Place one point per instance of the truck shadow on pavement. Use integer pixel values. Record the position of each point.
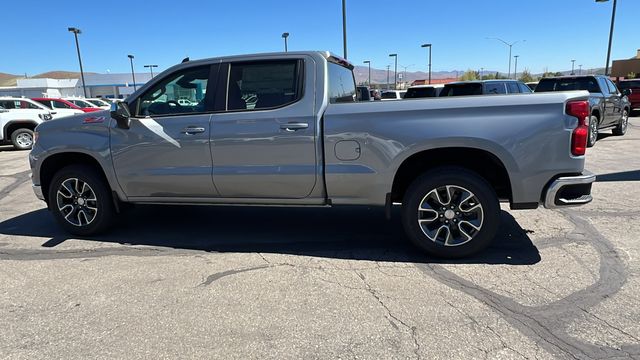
(343, 233)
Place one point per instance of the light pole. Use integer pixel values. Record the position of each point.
(613, 20)
(404, 74)
(285, 36)
(429, 46)
(368, 63)
(395, 72)
(388, 66)
(151, 68)
(344, 27)
(515, 69)
(580, 69)
(481, 72)
(573, 67)
(510, 47)
(133, 75)
(75, 32)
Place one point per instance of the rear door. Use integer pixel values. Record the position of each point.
(264, 144)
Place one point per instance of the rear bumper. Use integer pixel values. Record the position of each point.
(569, 191)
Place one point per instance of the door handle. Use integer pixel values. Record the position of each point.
(191, 130)
(294, 126)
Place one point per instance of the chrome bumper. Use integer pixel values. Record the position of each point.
(38, 191)
(569, 191)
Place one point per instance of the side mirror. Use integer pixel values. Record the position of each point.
(120, 112)
(627, 92)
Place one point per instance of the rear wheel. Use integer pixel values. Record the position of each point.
(22, 139)
(593, 131)
(451, 212)
(80, 200)
(621, 128)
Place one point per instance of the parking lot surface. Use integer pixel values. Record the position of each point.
(280, 283)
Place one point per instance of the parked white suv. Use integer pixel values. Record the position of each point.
(10, 103)
(17, 125)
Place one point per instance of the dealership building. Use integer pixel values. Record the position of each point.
(622, 68)
(98, 85)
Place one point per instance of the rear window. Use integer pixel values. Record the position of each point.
(342, 84)
(462, 89)
(420, 92)
(569, 84)
(389, 95)
(623, 85)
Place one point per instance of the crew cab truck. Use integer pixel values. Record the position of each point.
(17, 125)
(305, 141)
(609, 107)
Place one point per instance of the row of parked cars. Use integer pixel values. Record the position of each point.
(610, 104)
(19, 116)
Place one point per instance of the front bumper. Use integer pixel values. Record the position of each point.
(569, 191)
(37, 189)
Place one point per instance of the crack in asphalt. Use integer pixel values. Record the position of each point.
(546, 324)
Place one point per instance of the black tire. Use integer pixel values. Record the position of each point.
(22, 139)
(622, 126)
(104, 214)
(593, 131)
(458, 178)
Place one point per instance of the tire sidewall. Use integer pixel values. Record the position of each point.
(451, 176)
(14, 137)
(592, 120)
(86, 174)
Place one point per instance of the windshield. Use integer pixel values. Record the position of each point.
(462, 89)
(568, 84)
(82, 103)
(98, 102)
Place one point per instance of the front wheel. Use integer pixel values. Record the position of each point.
(80, 200)
(22, 139)
(621, 128)
(451, 212)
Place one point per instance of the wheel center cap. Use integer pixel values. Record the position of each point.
(80, 201)
(449, 214)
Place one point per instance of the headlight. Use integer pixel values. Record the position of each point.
(45, 116)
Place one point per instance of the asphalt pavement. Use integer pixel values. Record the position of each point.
(323, 283)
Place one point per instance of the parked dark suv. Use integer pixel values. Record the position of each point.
(609, 107)
(485, 87)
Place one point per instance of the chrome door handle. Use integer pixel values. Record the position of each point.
(191, 130)
(293, 126)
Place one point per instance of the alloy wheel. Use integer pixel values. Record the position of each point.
(24, 140)
(77, 202)
(625, 121)
(450, 215)
(593, 130)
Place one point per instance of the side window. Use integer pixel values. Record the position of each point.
(612, 87)
(7, 104)
(603, 86)
(263, 84)
(525, 89)
(513, 87)
(60, 105)
(28, 105)
(183, 92)
(493, 88)
(342, 85)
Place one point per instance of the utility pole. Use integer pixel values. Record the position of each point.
(613, 20)
(75, 32)
(429, 46)
(395, 72)
(388, 66)
(510, 45)
(580, 69)
(515, 70)
(573, 67)
(133, 75)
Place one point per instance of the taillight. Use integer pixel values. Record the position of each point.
(579, 109)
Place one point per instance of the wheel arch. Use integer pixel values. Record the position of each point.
(14, 125)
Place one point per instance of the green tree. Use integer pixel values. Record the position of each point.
(558, 73)
(631, 75)
(470, 75)
(526, 76)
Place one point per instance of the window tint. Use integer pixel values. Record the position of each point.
(342, 84)
(462, 89)
(493, 88)
(60, 105)
(8, 104)
(513, 87)
(263, 85)
(28, 105)
(603, 86)
(623, 85)
(421, 92)
(524, 88)
(612, 87)
(46, 103)
(389, 95)
(183, 92)
(568, 84)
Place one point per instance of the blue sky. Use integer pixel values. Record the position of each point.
(163, 32)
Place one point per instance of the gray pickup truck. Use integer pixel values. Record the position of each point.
(285, 129)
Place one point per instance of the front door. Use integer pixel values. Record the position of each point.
(264, 143)
(165, 152)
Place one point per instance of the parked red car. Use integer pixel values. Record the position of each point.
(55, 103)
(634, 86)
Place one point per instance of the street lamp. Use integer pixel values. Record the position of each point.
(151, 68)
(395, 72)
(75, 32)
(368, 63)
(515, 69)
(429, 46)
(285, 36)
(481, 72)
(344, 27)
(580, 69)
(388, 66)
(510, 47)
(613, 20)
(573, 67)
(132, 73)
